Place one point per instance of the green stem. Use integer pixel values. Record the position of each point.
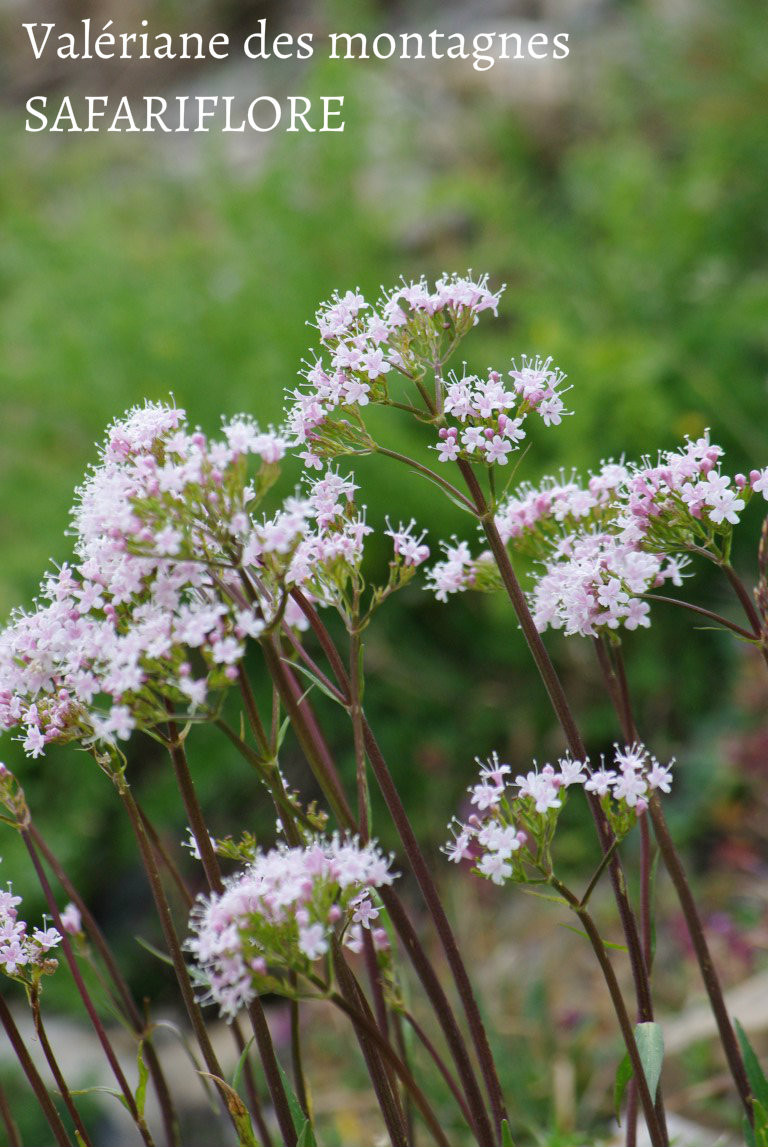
(406, 406)
(425, 472)
(604, 862)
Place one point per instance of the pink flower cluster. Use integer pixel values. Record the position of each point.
(455, 573)
(22, 955)
(597, 581)
(686, 490)
(628, 531)
(406, 327)
(174, 572)
(142, 612)
(514, 823)
(328, 542)
(540, 513)
(409, 550)
(281, 914)
(329, 550)
(488, 416)
(605, 544)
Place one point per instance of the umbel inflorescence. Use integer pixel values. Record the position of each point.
(176, 567)
(283, 913)
(509, 834)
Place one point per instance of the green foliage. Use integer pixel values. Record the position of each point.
(300, 1121)
(756, 1136)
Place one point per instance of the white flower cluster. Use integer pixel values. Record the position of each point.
(596, 581)
(174, 572)
(513, 823)
(488, 416)
(603, 545)
(23, 955)
(281, 913)
(409, 326)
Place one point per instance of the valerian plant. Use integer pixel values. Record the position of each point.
(185, 559)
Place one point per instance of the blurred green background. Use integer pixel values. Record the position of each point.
(621, 198)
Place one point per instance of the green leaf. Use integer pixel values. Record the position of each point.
(506, 1135)
(606, 943)
(761, 1125)
(102, 1091)
(153, 951)
(241, 1064)
(186, 1046)
(284, 727)
(297, 1113)
(295, 665)
(650, 1044)
(755, 1074)
(624, 1073)
(307, 1136)
(551, 896)
(141, 1089)
(238, 1111)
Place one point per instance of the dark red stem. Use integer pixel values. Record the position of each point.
(32, 1074)
(170, 1122)
(674, 866)
(74, 968)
